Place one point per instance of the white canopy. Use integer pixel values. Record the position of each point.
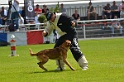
(53, 2)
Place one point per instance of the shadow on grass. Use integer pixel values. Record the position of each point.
(36, 72)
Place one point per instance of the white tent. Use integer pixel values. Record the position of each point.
(67, 3)
(50, 2)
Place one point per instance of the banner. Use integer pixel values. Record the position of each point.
(29, 10)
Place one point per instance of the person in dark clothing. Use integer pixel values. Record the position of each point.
(45, 9)
(107, 11)
(3, 14)
(76, 16)
(23, 15)
(64, 26)
(115, 10)
(91, 12)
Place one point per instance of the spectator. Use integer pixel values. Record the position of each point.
(62, 9)
(45, 9)
(38, 9)
(0, 20)
(122, 13)
(121, 6)
(21, 21)
(15, 13)
(23, 15)
(107, 12)
(1, 30)
(116, 25)
(114, 10)
(36, 18)
(122, 16)
(91, 11)
(76, 16)
(3, 14)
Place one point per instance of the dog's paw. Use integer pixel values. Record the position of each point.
(73, 69)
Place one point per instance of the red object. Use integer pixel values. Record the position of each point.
(38, 10)
(13, 48)
(12, 40)
(34, 37)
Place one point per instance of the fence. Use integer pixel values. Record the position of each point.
(23, 27)
(83, 10)
(100, 28)
(32, 34)
(85, 29)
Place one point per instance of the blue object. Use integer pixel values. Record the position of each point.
(3, 37)
(0, 21)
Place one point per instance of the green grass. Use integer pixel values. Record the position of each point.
(106, 64)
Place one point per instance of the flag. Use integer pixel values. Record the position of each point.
(29, 10)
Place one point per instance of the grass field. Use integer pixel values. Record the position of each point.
(106, 64)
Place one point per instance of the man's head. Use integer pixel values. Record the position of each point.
(108, 4)
(44, 6)
(114, 2)
(2, 8)
(90, 3)
(62, 5)
(37, 6)
(51, 16)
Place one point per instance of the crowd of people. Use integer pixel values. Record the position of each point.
(109, 12)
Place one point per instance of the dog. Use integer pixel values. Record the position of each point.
(57, 53)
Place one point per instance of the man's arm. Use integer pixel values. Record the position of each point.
(16, 1)
(48, 29)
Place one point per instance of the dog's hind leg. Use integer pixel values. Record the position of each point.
(41, 65)
(43, 59)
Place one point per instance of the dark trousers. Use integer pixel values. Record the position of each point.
(75, 49)
(107, 15)
(15, 18)
(115, 14)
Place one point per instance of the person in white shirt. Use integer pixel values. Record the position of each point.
(36, 20)
(122, 13)
(116, 25)
(21, 23)
(36, 17)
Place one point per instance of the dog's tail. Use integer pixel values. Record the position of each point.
(31, 52)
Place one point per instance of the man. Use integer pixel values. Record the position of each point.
(15, 13)
(91, 12)
(62, 9)
(23, 15)
(121, 6)
(114, 10)
(45, 9)
(38, 9)
(3, 14)
(65, 28)
(107, 11)
(76, 16)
